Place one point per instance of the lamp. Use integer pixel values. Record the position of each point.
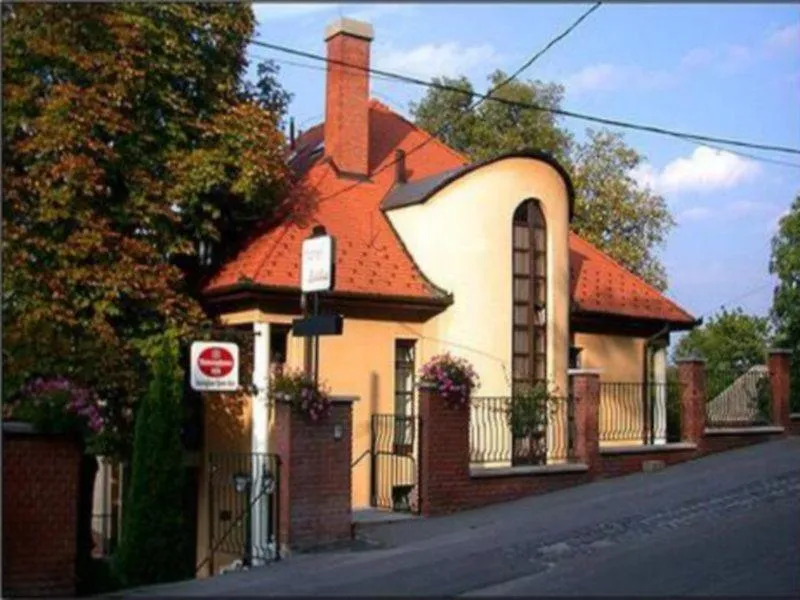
(241, 481)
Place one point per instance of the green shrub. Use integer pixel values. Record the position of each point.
(152, 549)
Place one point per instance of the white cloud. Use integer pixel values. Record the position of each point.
(697, 213)
(431, 60)
(698, 58)
(743, 208)
(608, 77)
(786, 37)
(706, 170)
(286, 10)
(371, 13)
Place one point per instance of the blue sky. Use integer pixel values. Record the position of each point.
(723, 70)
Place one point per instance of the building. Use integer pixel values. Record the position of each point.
(434, 254)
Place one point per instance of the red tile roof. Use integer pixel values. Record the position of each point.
(599, 284)
(372, 260)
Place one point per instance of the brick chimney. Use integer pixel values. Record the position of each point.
(347, 96)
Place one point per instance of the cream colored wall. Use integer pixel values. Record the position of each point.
(360, 363)
(620, 360)
(228, 426)
(461, 239)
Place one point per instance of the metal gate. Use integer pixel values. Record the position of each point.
(394, 451)
(243, 509)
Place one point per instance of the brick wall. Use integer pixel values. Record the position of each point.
(447, 484)
(40, 513)
(619, 463)
(716, 442)
(794, 424)
(315, 485)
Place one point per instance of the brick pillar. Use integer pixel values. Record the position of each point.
(779, 364)
(692, 378)
(41, 483)
(586, 395)
(444, 454)
(315, 478)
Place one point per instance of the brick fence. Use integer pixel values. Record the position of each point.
(41, 477)
(448, 483)
(794, 424)
(315, 485)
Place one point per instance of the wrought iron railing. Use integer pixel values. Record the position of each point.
(498, 438)
(393, 454)
(738, 398)
(639, 413)
(244, 511)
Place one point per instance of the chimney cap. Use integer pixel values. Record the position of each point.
(351, 27)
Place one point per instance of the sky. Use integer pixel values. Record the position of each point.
(724, 70)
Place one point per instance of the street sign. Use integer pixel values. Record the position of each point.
(316, 270)
(214, 366)
(317, 325)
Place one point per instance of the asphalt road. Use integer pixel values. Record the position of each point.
(724, 525)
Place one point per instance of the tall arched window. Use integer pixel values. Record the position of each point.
(529, 242)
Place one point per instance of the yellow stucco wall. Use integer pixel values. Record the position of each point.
(620, 359)
(461, 239)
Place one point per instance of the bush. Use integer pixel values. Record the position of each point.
(153, 534)
(308, 399)
(453, 378)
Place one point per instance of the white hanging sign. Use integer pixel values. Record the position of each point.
(316, 271)
(215, 367)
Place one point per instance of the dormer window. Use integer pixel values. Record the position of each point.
(529, 241)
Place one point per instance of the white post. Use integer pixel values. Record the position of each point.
(660, 408)
(259, 440)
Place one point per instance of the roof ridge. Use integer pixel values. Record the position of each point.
(622, 267)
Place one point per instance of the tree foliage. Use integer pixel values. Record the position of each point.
(785, 264)
(728, 341)
(612, 211)
(135, 159)
(153, 535)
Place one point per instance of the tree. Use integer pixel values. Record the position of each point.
(136, 159)
(785, 264)
(729, 341)
(612, 211)
(153, 534)
(494, 128)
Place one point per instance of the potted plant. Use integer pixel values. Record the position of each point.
(527, 418)
(307, 398)
(453, 378)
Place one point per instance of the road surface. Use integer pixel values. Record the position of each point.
(723, 525)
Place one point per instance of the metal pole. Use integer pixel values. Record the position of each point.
(316, 342)
(248, 532)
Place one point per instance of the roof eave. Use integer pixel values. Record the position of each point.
(387, 205)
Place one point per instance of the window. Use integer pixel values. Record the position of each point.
(404, 360)
(278, 342)
(529, 263)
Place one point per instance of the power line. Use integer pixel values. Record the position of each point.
(695, 137)
(480, 99)
(742, 296)
(755, 157)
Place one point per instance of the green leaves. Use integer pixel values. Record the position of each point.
(114, 116)
(785, 264)
(729, 341)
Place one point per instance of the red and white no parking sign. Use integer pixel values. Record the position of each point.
(215, 366)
